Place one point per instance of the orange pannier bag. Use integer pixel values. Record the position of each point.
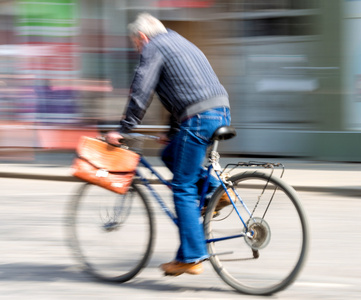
(105, 165)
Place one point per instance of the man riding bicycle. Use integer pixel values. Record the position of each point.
(189, 89)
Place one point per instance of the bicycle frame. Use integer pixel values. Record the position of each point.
(233, 233)
(205, 186)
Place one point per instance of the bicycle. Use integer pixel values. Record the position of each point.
(112, 235)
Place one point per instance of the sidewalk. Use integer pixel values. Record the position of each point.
(303, 175)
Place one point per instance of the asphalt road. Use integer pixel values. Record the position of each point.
(35, 262)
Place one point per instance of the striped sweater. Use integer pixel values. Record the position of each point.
(179, 73)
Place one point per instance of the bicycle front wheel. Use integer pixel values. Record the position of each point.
(110, 234)
(264, 253)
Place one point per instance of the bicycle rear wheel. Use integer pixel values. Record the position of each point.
(110, 234)
(272, 258)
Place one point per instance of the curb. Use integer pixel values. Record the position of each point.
(349, 191)
(39, 177)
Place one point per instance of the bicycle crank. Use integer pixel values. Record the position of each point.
(110, 226)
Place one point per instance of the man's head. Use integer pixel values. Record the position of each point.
(144, 28)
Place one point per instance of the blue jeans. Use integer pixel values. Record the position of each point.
(185, 156)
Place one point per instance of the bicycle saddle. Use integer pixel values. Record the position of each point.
(224, 133)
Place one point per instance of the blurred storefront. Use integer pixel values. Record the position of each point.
(65, 64)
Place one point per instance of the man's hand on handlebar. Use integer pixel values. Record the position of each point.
(113, 138)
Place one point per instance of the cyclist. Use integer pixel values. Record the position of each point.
(189, 89)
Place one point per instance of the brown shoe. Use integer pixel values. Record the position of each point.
(222, 203)
(175, 268)
(224, 200)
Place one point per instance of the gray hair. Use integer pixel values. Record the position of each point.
(147, 24)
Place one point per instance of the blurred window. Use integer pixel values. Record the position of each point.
(255, 18)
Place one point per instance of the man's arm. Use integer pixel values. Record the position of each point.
(145, 80)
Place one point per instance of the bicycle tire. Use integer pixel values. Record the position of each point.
(271, 261)
(111, 235)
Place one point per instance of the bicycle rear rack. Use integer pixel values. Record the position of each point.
(254, 164)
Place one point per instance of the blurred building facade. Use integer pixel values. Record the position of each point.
(291, 67)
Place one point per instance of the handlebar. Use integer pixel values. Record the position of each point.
(138, 137)
(133, 141)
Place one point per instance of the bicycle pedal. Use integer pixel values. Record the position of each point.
(172, 274)
(255, 253)
(216, 214)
